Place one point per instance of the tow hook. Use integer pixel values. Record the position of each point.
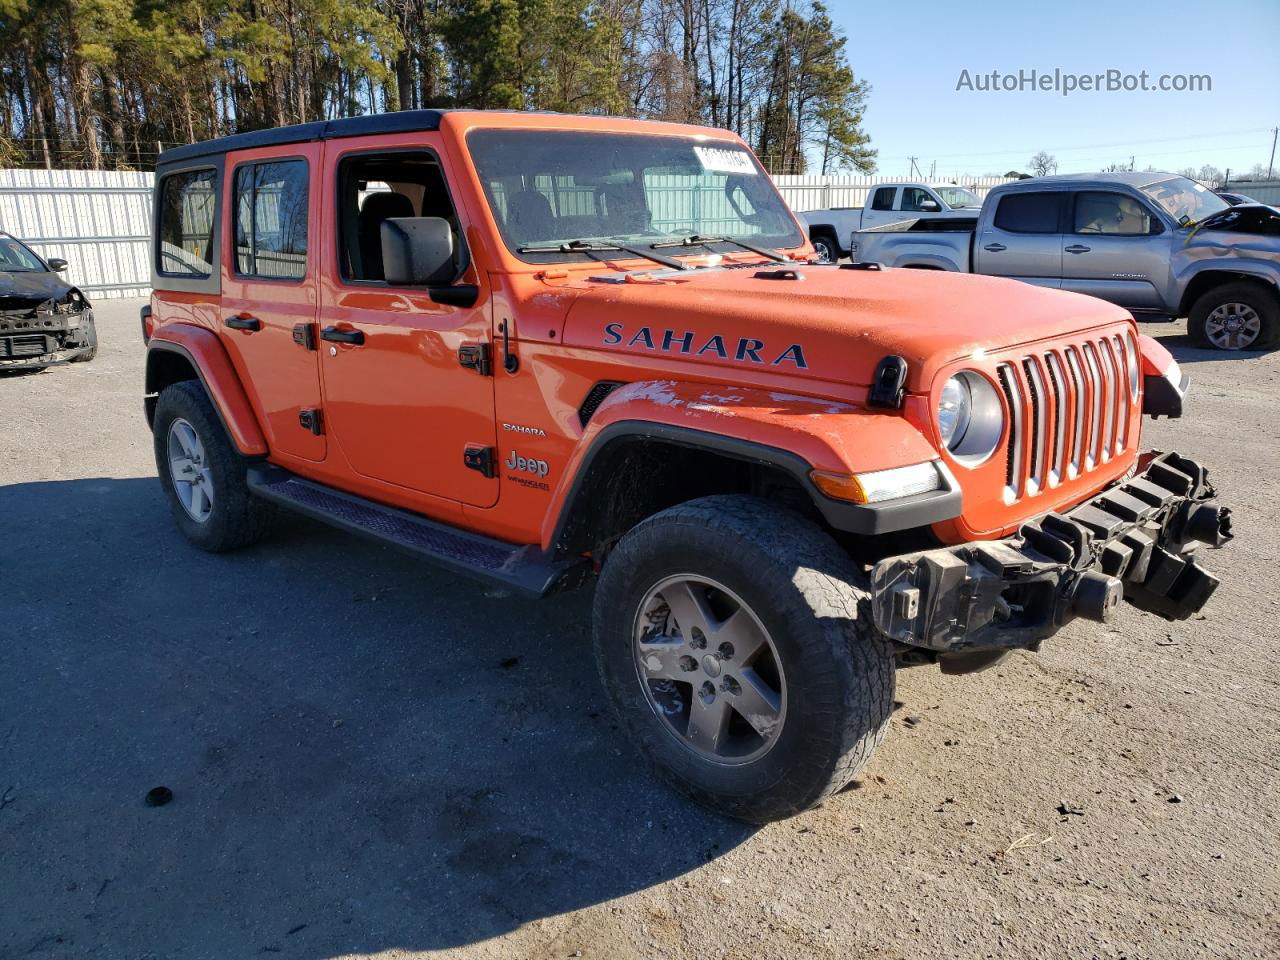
(1209, 524)
(1096, 596)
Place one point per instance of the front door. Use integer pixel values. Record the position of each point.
(1023, 240)
(269, 290)
(399, 405)
(1116, 249)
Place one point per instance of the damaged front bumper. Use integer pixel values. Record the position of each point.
(32, 342)
(971, 602)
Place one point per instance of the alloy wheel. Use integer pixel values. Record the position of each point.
(192, 479)
(1233, 326)
(709, 669)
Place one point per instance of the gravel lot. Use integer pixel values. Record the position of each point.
(371, 757)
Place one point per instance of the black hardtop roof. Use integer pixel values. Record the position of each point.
(402, 121)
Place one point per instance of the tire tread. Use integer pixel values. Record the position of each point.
(829, 587)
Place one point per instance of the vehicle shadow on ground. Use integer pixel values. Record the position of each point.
(365, 753)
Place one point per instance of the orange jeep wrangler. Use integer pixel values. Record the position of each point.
(546, 350)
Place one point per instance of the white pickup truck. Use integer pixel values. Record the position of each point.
(830, 230)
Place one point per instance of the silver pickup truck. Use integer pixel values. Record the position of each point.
(1155, 243)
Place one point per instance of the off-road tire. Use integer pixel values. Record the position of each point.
(826, 246)
(1259, 296)
(238, 518)
(91, 340)
(812, 601)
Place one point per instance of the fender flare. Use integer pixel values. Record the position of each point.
(1246, 268)
(793, 434)
(1164, 384)
(202, 349)
(826, 229)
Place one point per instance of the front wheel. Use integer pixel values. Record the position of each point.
(1236, 316)
(89, 335)
(731, 636)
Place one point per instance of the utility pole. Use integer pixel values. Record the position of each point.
(1275, 131)
(914, 169)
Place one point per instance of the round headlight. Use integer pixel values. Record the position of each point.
(970, 417)
(954, 408)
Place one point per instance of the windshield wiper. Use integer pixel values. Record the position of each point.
(697, 241)
(587, 246)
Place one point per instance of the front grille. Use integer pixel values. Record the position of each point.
(1071, 408)
(27, 345)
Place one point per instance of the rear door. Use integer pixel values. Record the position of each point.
(880, 207)
(269, 291)
(1115, 248)
(1023, 238)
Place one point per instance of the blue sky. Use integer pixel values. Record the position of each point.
(913, 55)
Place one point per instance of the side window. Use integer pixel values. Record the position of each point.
(1029, 213)
(913, 198)
(1112, 213)
(373, 188)
(271, 220)
(883, 200)
(186, 224)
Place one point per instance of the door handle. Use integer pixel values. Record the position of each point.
(995, 247)
(1077, 248)
(244, 322)
(334, 335)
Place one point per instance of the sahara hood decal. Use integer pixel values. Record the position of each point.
(746, 349)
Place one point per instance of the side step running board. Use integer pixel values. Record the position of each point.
(525, 569)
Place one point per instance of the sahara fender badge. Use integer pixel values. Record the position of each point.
(746, 349)
(521, 428)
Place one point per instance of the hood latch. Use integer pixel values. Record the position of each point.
(887, 385)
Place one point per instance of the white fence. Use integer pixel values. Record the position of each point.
(1264, 191)
(100, 221)
(821, 193)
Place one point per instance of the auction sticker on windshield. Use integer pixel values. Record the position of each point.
(718, 160)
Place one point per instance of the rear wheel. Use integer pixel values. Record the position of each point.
(1236, 316)
(202, 474)
(732, 638)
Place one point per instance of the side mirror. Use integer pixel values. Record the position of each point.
(929, 206)
(56, 264)
(417, 251)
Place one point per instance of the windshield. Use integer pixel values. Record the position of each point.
(15, 258)
(548, 188)
(1185, 200)
(958, 197)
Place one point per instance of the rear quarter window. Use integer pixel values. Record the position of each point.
(1030, 213)
(185, 224)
